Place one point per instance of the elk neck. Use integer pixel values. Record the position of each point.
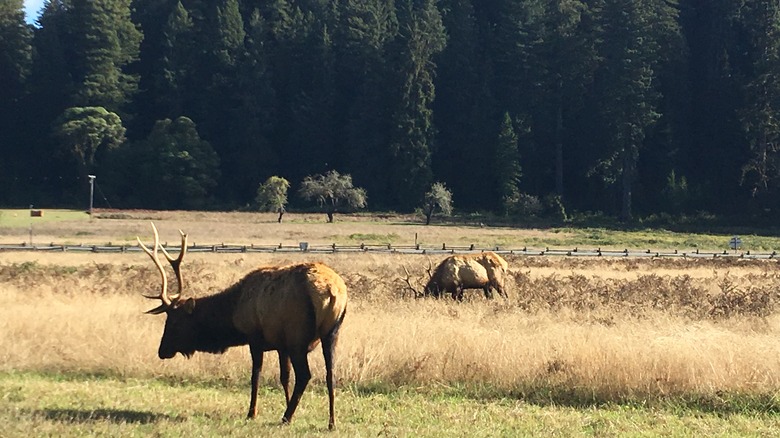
(214, 320)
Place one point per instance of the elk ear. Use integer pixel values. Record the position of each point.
(189, 305)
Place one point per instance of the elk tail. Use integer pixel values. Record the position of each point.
(335, 330)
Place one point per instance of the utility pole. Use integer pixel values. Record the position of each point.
(31, 222)
(91, 193)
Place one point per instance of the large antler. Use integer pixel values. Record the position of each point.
(429, 269)
(408, 281)
(167, 301)
(176, 263)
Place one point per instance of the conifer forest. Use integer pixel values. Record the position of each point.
(626, 108)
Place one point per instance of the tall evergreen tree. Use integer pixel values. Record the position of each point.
(421, 37)
(668, 138)
(506, 167)
(218, 105)
(166, 62)
(314, 102)
(171, 72)
(104, 42)
(627, 83)
(564, 58)
(301, 56)
(50, 87)
(516, 26)
(230, 33)
(251, 157)
(15, 53)
(713, 155)
(365, 32)
(51, 78)
(83, 50)
(15, 63)
(760, 115)
(515, 32)
(464, 109)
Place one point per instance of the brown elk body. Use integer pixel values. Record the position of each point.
(486, 271)
(290, 309)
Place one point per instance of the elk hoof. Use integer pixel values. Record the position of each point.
(285, 420)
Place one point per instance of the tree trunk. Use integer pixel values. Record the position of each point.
(559, 145)
(626, 180)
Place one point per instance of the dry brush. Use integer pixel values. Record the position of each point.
(611, 329)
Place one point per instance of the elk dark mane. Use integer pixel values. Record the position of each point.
(213, 317)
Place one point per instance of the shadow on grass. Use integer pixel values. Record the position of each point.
(110, 415)
(718, 403)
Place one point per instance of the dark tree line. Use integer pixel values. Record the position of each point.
(625, 107)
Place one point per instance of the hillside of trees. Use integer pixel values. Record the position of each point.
(629, 107)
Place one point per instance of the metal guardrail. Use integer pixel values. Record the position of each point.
(389, 248)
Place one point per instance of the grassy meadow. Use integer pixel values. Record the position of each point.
(122, 227)
(582, 347)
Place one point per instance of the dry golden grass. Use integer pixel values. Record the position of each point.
(615, 329)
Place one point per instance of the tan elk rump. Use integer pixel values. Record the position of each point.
(289, 309)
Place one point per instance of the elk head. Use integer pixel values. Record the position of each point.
(179, 327)
(416, 292)
(432, 286)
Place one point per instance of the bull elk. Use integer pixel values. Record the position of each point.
(289, 309)
(454, 274)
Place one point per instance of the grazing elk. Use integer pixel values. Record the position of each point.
(289, 309)
(456, 273)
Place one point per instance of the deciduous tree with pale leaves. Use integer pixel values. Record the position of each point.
(437, 199)
(332, 191)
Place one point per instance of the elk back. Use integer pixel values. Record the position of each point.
(294, 305)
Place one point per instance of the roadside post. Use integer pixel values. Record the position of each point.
(735, 243)
(91, 193)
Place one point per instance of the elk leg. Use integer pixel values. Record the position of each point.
(284, 375)
(257, 365)
(488, 293)
(328, 350)
(460, 293)
(300, 364)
